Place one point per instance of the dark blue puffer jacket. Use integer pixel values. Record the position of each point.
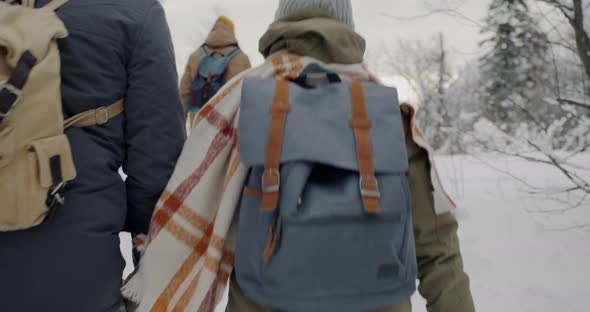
(116, 49)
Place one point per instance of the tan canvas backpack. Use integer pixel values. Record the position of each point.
(35, 156)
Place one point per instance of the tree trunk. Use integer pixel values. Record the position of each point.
(582, 37)
(442, 70)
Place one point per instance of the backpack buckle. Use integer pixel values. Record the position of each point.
(271, 180)
(13, 92)
(369, 186)
(102, 115)
(56, 197)
(55, 200)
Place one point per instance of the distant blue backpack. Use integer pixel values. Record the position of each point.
(210, 77)
(325, 221)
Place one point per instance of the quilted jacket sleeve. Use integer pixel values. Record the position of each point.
(154, 131)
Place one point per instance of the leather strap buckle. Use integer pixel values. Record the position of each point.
(12, 91)
(102, 115)
(55, 196)
(271, 181)
(369, 187)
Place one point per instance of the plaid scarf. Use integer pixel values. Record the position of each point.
(189, 255)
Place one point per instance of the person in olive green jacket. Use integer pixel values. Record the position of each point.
(307, 28)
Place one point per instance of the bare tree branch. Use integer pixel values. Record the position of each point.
(451, 11)
(569, 228)
(509, 174)
(564, 45)
(574, 178)
(566, 10)
(575, 16)
(573, 103)
(562, 165)
(516, 155)
(579, 151)
(570, 206)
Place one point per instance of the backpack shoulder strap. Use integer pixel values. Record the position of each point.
(95, 117)
(28, 3)
(206, 51)
(228, 57)
(233, 53)
(55, 4)
(52, 5)
(10, 91)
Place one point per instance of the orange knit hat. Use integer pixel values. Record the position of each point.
(226, 21)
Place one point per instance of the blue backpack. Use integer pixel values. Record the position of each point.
(325, 221)
(210, 77)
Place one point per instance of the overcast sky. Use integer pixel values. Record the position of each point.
(377, 20)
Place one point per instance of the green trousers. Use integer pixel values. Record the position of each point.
(239, 303)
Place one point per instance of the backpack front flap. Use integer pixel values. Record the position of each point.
(317, 127)
(35, 155)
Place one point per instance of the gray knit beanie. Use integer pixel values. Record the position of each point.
(339, 9)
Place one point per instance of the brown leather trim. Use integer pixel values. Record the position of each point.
(271, 245)
(55, 4)
(252, 192)
(95, 117)
(361, 125)
(28, 3)
(271, 178)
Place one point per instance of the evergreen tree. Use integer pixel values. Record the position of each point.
(515, 69)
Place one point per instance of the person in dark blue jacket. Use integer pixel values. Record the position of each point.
(115, 50)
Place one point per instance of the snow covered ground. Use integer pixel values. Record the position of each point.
(521, 258)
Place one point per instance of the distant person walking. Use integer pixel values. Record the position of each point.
(215, 63)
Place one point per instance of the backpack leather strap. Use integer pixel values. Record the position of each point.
(233, 53)
(271, 179)
(206, 50)
(95, 117)
(10, 91)
(360, 124)
(55, 4)
(28, 3)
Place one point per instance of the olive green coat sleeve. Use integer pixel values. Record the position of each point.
(443, 283)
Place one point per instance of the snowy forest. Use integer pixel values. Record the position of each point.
(526, 96)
